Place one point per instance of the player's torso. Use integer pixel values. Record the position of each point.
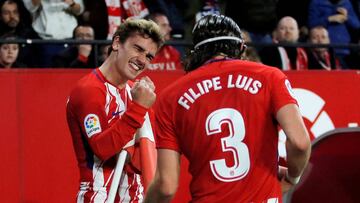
(222, 118)
(96, 174)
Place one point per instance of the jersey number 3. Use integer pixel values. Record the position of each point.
(232, 143)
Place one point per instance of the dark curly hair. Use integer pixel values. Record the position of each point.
(208, 27)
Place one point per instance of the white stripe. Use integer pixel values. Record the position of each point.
(140, 189)
(80, 196)
(98, 184)
(124, 188)
(128, 91)
(273, 200)
(120, 105)
(284, 59)
(108, 99)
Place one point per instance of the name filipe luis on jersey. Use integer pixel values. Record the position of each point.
(214, 84)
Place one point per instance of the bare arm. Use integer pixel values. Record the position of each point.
(298, 142)
(166, 180)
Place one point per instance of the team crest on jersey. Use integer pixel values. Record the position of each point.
(289, 88)
(92, 124)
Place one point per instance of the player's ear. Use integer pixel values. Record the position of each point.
(116, 43)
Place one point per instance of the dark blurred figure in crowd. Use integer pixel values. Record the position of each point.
(321, 58)
(103, 53)
(258, 17)
(175, 10)
(78, 55)
(250, 53)
(95, 15)
(339, 18)
(9, 53)
(168, 57)
(285, 58)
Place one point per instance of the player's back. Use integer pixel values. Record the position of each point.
(223, 117)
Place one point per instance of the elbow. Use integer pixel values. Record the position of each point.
(99, 152)
(303, 145)
(167, 190)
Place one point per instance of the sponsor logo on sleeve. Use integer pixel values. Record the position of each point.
(92, 124)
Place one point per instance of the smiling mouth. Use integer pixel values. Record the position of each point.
(136, 66)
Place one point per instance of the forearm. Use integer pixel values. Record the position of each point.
(112, 140)
(155, 195)
(166, 180)
(298, 144)
(297, 159)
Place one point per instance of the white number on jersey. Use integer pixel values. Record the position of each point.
(231, 143)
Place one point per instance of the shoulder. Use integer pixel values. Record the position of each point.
(87, 89)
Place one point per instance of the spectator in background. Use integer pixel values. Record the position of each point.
(119, 10)
(53, 19)
(285, 58)
(250, 53)
(15, 20)
(321, 57)
(79, 55)
(338, 17)
(103, 53)
(11, 21)
(168, 57)
(258, 17)
(298, 9)
(209, 7)
(9, 53)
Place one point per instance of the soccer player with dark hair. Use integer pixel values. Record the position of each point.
(224, 116)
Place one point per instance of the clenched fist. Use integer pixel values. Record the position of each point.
(143, 92)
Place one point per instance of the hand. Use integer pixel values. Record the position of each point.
(143, 92)
(84, 49)
(285, 185)
(69, 2)
(337, 18)
(341, 17)
(342, 11)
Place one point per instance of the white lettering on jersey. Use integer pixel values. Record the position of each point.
(246, 83)
(92, 124)
(162, 66)
(201, 88)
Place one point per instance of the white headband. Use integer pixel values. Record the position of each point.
(216, 39)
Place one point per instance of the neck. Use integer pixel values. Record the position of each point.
(110, 72)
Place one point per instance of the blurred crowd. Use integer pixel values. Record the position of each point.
(283, 23)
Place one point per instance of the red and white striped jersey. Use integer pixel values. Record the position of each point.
(102, 119)
(221, 116)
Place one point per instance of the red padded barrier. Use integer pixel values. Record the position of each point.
(38, 161)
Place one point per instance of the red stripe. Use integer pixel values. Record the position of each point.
(114, 11)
